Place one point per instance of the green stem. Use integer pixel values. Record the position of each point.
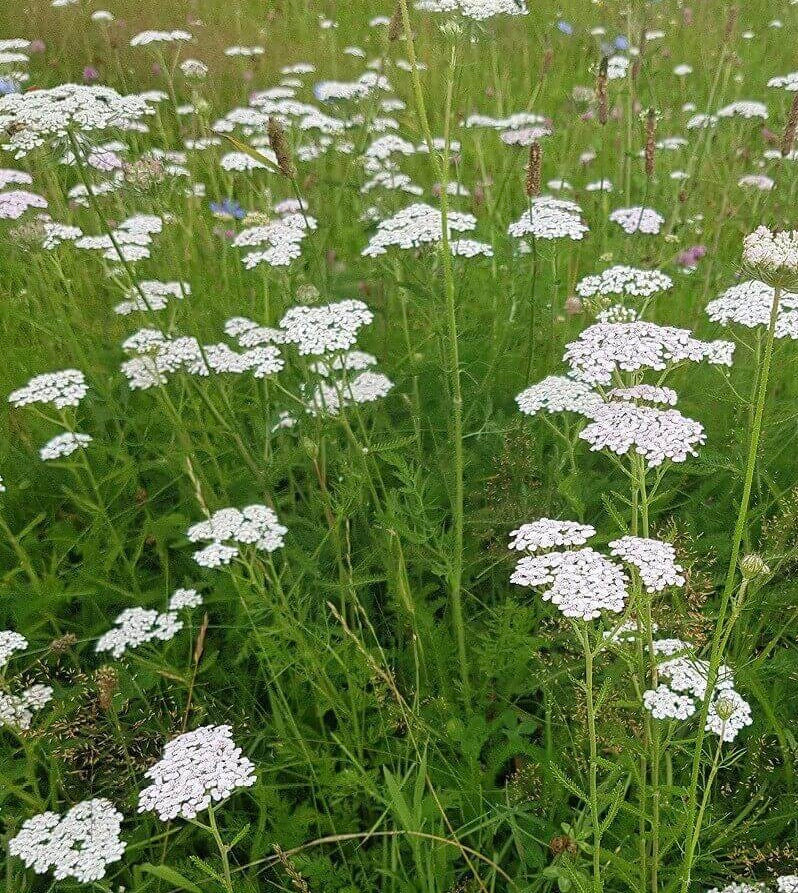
(442, 169)
(593, 769)
(696, 817)
(223, 850)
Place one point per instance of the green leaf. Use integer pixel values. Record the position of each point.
(165, 873)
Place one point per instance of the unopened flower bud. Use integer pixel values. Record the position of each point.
(752, 566)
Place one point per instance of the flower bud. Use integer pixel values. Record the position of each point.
(752, 566)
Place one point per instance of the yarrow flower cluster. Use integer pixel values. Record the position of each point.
(63, 445)
(79, 845)
(605, 348)
(325, 329)
(35, 118)
(153, 295)
(638, 220)
(622, 280)
(14, 203)
(282, 239)
(61, 389)
(550, 218)
(654, 560)
(774, 255)
(415, 226)
(158, 356)
(546, 533)
(685, 686)
(582, 583)
(654, 434)
(255, 525)
(136, 626)
(750, 304)
(10, 641)
(479, 10)
(366, 387)
(197, 769)
(556, 393)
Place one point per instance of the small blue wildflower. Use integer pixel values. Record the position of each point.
(7, 85)
(565, 27)
(228, 208)
(621, 43)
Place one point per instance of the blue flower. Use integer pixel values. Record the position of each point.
(565, 27)
(228, 208)
(7, 85)
(621, 43)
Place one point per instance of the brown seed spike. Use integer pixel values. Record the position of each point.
(789, 131)
(396, 25)
(651, 126)
(601, 92)
(533, 166)
(279, 145)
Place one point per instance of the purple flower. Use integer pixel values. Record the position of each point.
(621, 43)
(565, 27)
(36, 46)
(8, 85)
(690, 257)
(90, 74)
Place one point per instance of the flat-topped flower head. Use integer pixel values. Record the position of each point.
(15, 202)
(10, 642)
(548, 533)
(605, 348)
(35, 118)
(366, 387)
(750, 304)
(556, 393)
(145, 38)
(654, 434)
(664, 703)
(325, 329)
(654, 560)
(773, 256)
(156, 296)
(135, 626)
(729, 712)
(60, 389)
(645, 393)
(582, 583)
(638, 220)
(415, 226)
(787, 883)
(63, 445)
(478, 10)
(255, 525)
(79, 845)
(196, 770)
(623, 281)
(549, 218)
(17, 711)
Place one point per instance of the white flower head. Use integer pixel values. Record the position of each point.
(63, 445)
(774, 255)
(655, 561)
(80, 844)
(582, 583)
(325, 329)
(547, 533)
(556, 393)
(10, 641)
(197, 769)
(65, 388)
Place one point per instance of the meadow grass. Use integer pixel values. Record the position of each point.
(415, 721)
